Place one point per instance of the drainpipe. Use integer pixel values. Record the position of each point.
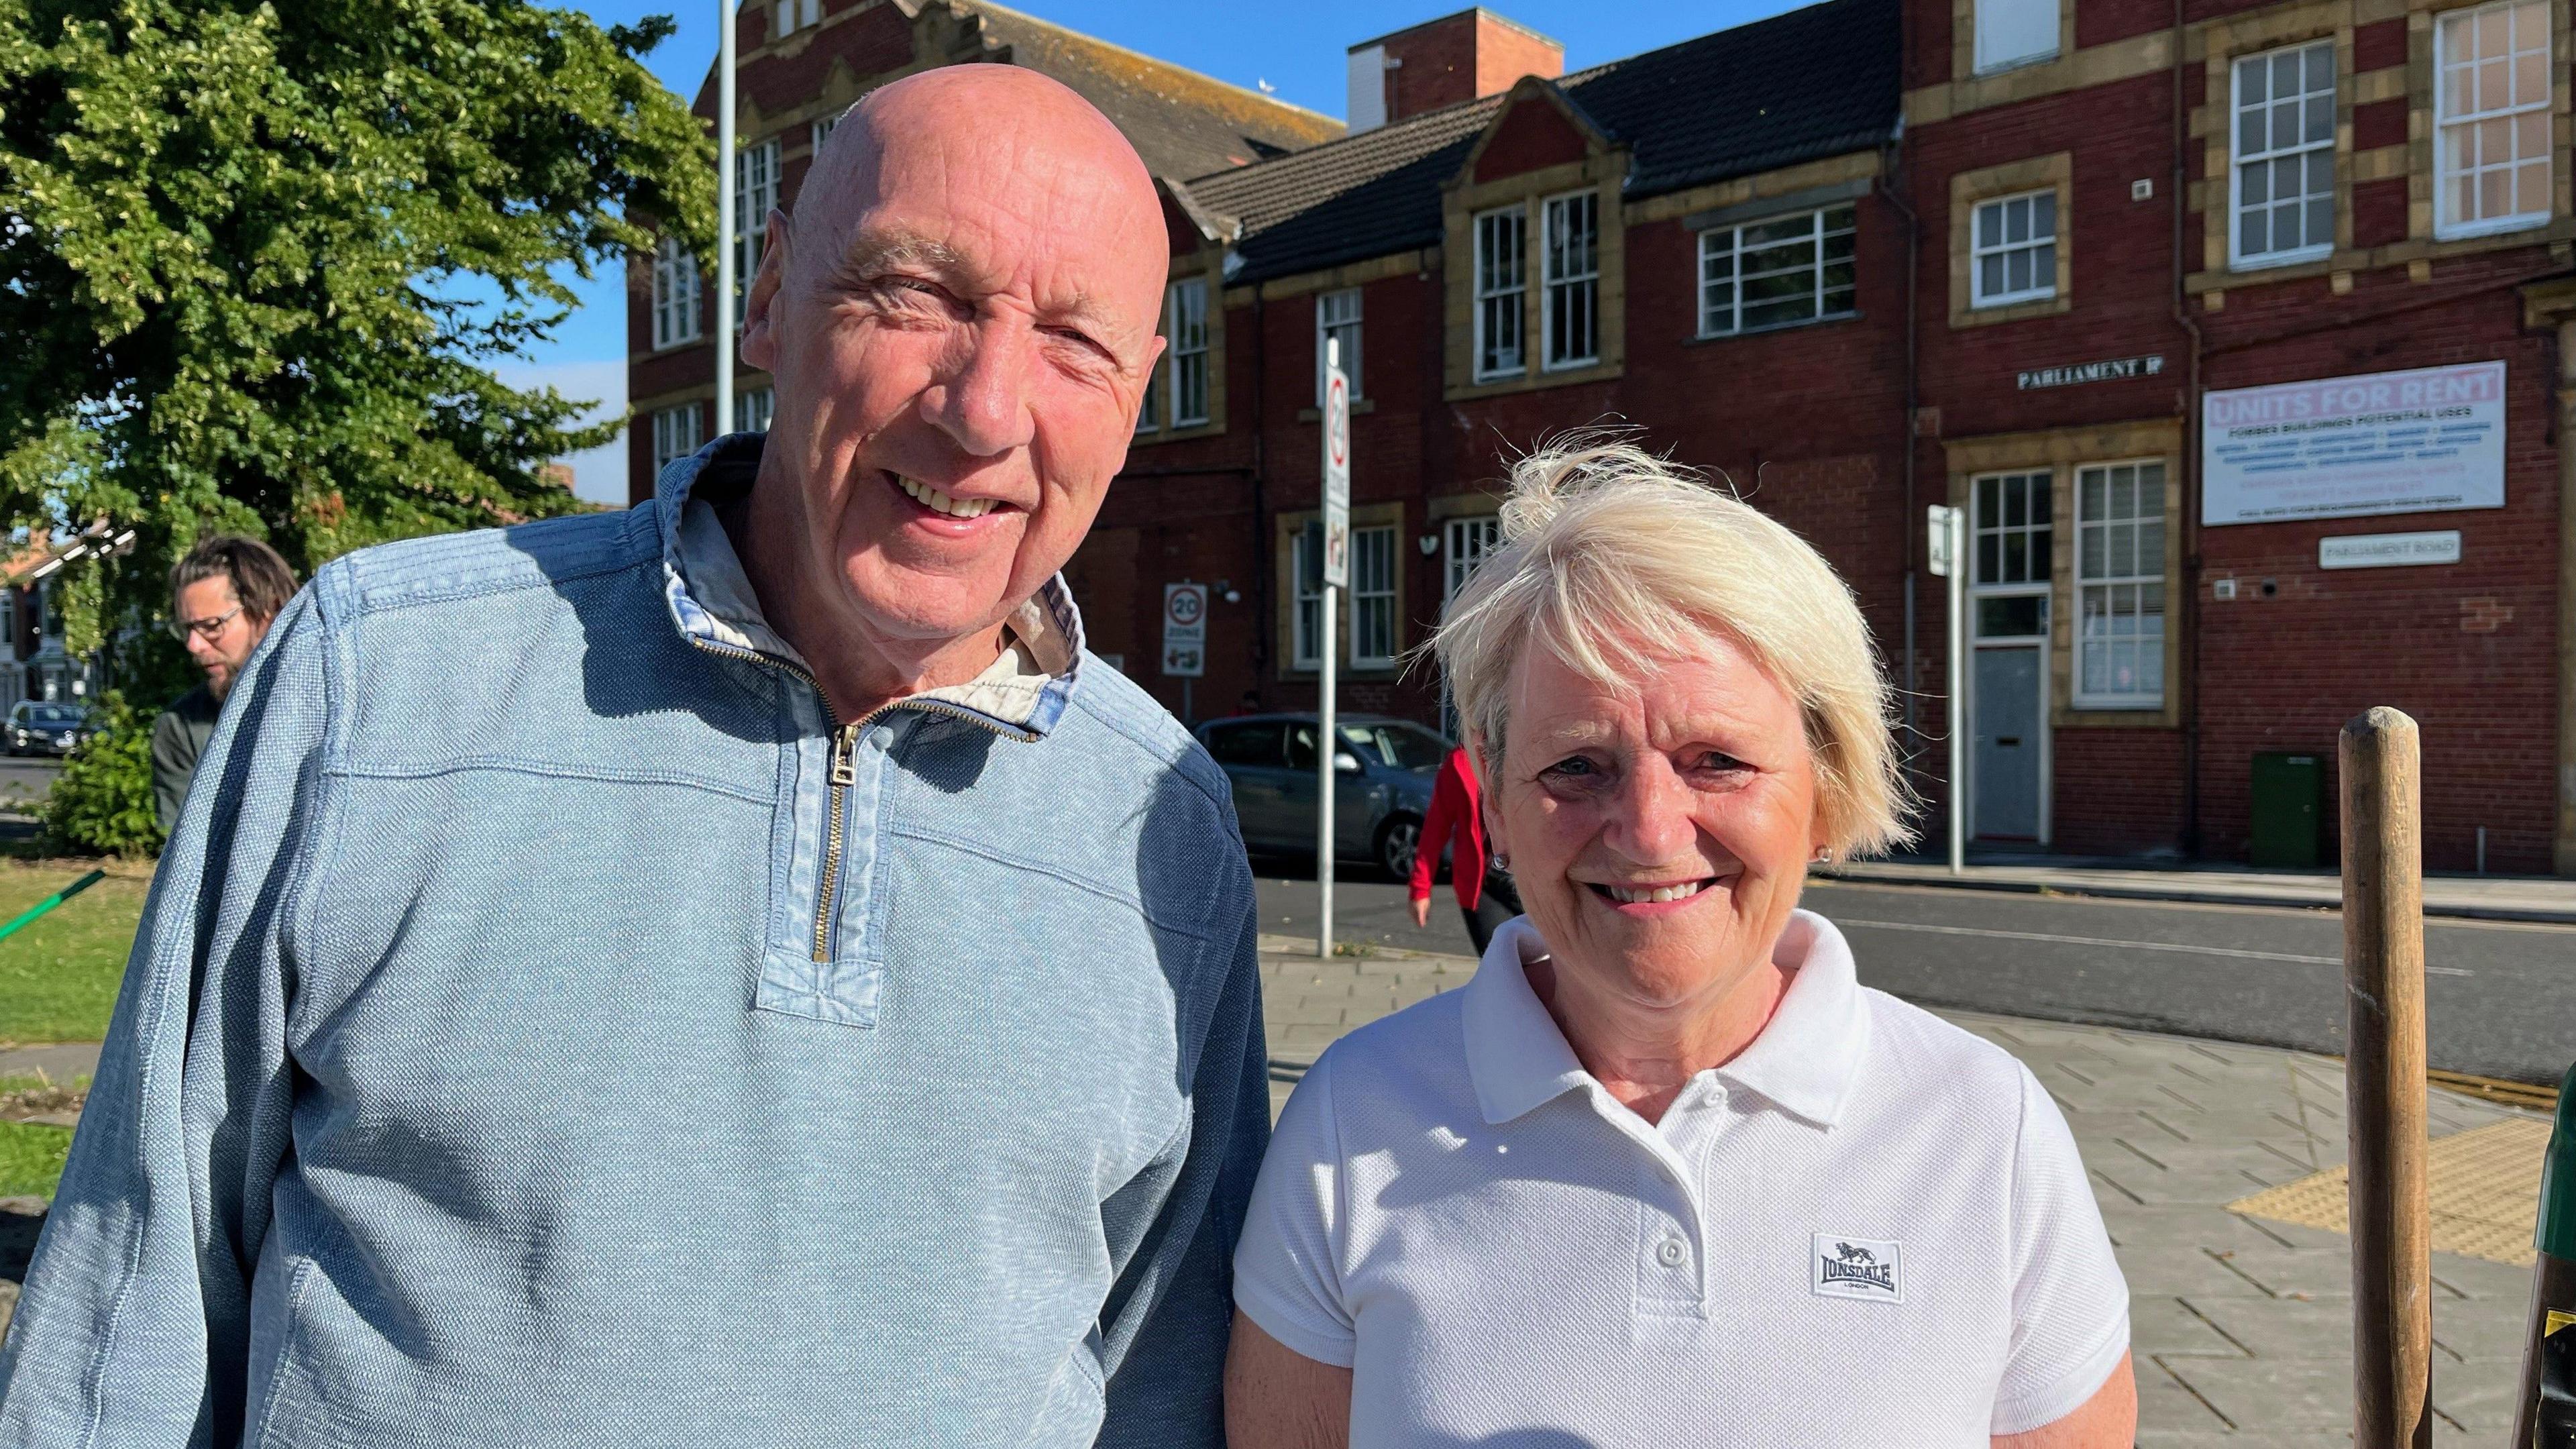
(2563, 851)
(1910, 530)
(2188, 606)
(1263, 565)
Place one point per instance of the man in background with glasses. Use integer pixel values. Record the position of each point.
(223, 596)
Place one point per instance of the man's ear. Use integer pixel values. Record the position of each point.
(759, 338)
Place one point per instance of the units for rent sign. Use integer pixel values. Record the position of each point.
(2424, 441)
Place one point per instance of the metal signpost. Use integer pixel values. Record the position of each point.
(1948, 556)
(1337, 573)
(724, 216)
(1185, 609)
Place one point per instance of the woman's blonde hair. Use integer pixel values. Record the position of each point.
(1613, 559)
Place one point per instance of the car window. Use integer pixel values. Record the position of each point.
(1301, 746)
(1402, 746)
(52, 715)
(1244, 744)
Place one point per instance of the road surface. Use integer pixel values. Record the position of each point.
(2500, 1000)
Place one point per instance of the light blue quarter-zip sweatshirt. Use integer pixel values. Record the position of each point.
(550, 1026)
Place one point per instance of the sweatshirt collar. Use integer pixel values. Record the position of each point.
(1024, 692)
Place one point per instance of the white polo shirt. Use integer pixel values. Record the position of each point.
(1868, 1229)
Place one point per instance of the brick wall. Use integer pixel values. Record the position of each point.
(2469, 650)
(1459, 57)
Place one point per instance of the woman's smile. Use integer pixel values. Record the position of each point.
(1650, 899)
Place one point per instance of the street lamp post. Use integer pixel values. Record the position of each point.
(724, 216)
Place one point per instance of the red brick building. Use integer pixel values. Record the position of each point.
(2264, 302)
(1877, 254)
(800, 63)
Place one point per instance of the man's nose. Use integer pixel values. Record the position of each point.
(1652, 820)
(982, 401)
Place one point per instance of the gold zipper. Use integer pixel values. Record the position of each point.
(845, 738)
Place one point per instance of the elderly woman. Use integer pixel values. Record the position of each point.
(1663, 1172)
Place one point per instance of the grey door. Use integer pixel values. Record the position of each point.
(2008, 743)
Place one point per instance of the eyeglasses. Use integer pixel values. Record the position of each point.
(205, 629)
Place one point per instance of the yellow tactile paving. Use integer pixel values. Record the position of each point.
(2482, 1190)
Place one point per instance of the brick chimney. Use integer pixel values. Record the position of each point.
(1442, 62)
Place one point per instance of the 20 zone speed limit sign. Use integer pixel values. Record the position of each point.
(1185, 630)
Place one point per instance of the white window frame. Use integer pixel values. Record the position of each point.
(675, 295)
(2142, 574)
(1373, 596)
(2037, 483)
(1337, 314)
(1727, 242)
(2475, 123)
(786, 17)
(823, 128)
(1306, 596)
(1469, 542)
(1571, 275)
(1186, 324)
(2243, 160)
(754, 408)
(1500, 296)
(677, 432)
(1990, 36)
(1978, 250)
(755, 191)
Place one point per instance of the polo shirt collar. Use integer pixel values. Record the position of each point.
(1805, 1059)
(1803, 1062)
(1515, 1055)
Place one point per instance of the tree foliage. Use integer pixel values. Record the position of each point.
(257, 258)
(102, 802)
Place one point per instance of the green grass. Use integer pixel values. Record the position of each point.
(31, 1158)
(58, 975)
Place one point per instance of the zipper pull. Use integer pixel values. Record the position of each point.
(843, 740)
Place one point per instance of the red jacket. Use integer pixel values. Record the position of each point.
(1453, 813)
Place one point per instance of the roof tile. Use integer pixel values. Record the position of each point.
(1816, 82)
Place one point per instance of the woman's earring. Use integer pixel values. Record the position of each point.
(1823, 855)
(1502, 860)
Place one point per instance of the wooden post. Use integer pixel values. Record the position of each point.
(2383, 971)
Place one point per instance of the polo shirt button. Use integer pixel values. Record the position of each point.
(1670, 1252)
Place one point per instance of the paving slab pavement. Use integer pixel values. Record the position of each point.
(2242, 1326)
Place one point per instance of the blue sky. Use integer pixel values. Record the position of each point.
(1296, 48)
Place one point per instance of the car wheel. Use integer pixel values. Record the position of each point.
(1396, 845)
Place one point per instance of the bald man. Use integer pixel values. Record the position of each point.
(782, 991)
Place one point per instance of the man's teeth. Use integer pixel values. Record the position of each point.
(1627, 897)
(932, 498)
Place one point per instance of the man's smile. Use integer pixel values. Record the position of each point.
(946, 513)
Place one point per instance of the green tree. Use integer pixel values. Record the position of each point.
(256, 259)
(102, 803)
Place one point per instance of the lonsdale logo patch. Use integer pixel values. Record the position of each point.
(1842, 1266)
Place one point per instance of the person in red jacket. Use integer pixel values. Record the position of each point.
(1455, 823)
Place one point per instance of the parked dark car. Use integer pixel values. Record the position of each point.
(1383, 769)
(38, 728)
